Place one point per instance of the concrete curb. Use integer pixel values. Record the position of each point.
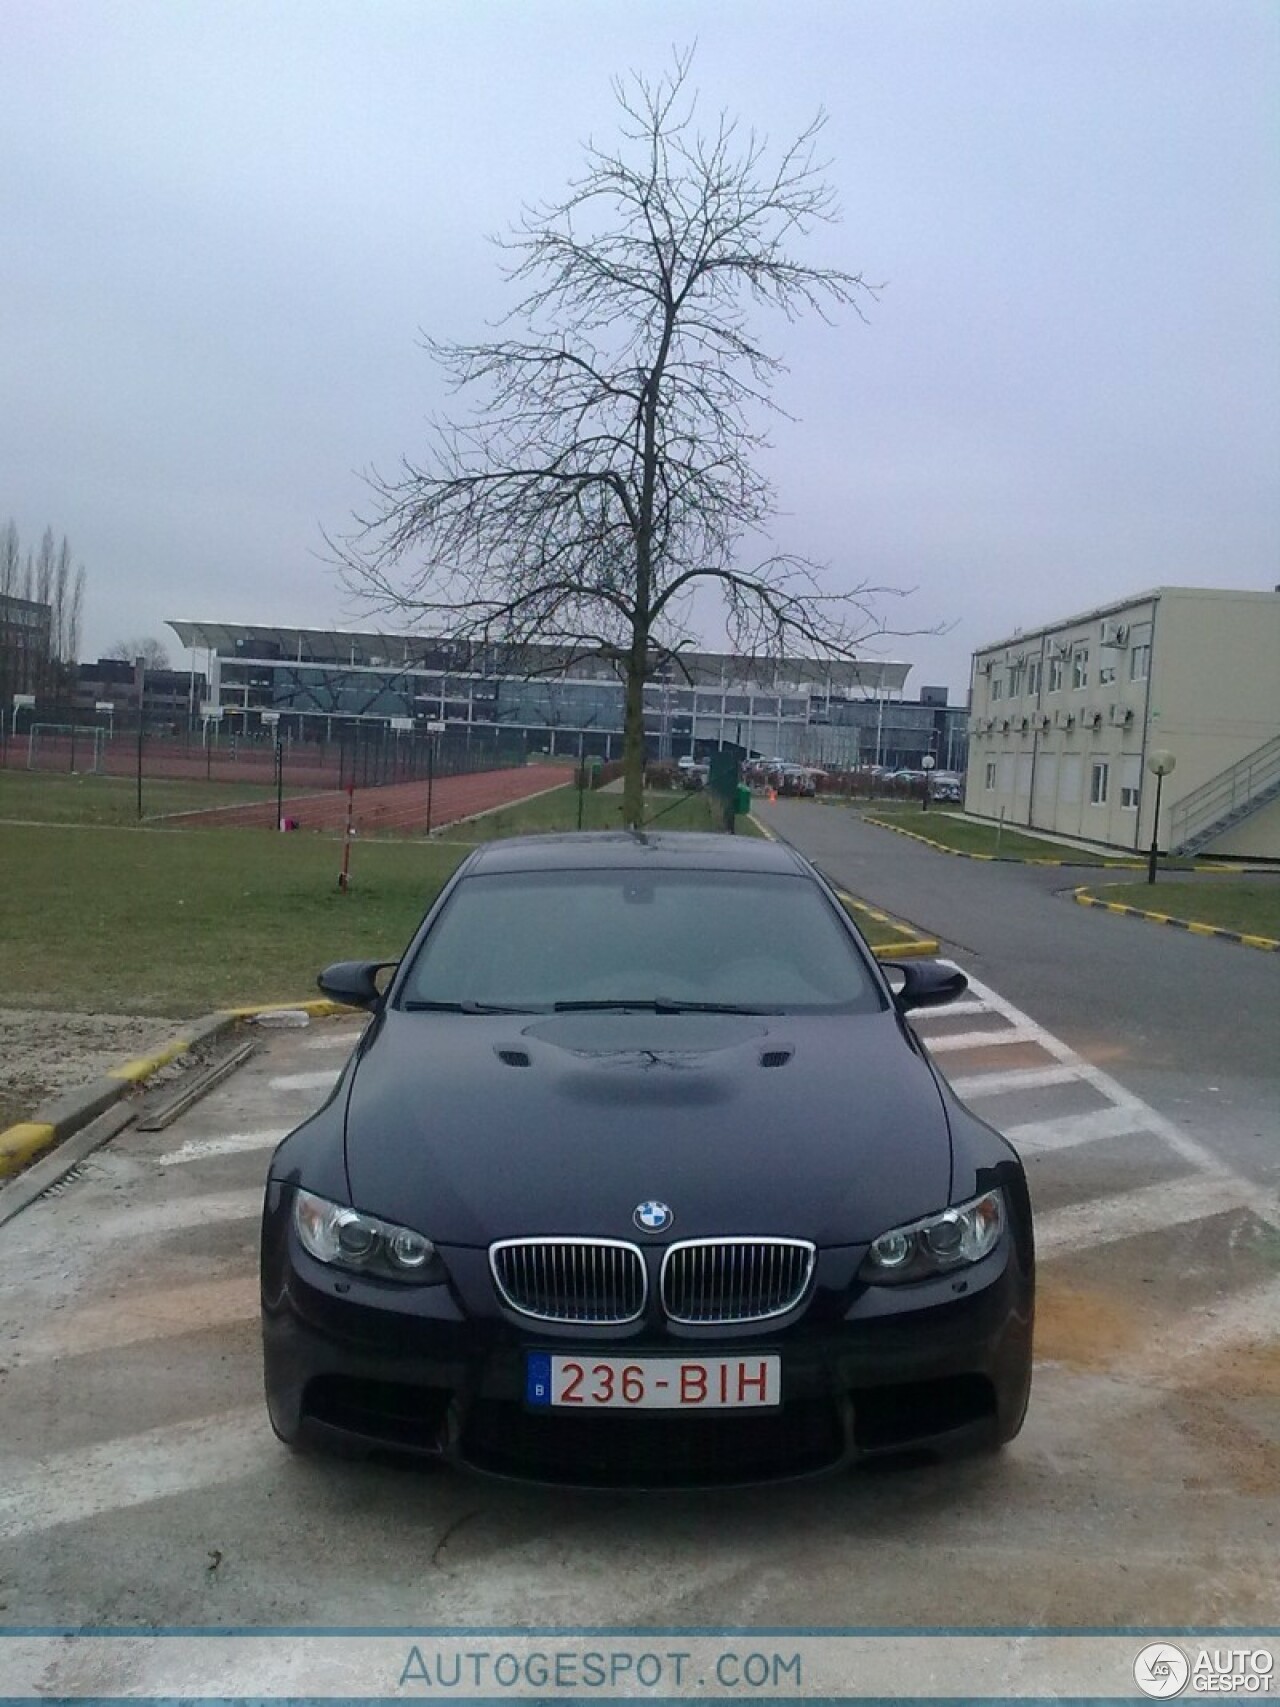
(1266, 943)
(917, 947)
(58, 1119)
(998, 859)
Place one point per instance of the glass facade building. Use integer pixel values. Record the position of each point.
(826, 713)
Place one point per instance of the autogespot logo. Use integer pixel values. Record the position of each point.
(652, 1216)
(1161, 1669)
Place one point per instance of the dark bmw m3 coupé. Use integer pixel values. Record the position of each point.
(639, 1176)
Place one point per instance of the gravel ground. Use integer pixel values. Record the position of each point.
(44, 1054)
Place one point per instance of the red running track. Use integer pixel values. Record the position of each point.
(400, 808)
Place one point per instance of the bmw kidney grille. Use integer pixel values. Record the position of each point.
(571, 1280)
(604, 1281)
(735, 1280)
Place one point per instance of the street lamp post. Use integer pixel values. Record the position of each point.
(1160, 763)
(926, 765)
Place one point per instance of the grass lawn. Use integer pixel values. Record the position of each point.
(140, 921)
(1253, 908)
(55, 797)
(967, 837)
(108, 919)
(601, 810)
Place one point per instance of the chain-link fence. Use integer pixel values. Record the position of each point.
(358, 754)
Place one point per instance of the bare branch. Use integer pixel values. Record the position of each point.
(609, 460)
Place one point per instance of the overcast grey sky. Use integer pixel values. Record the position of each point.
(223, 224)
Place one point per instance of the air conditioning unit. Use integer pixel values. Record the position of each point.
(1064, 719)
(1015, 660)
(1059, 648)
(1006, 723)
(988, 724)
(1121, 716)
(1025, 725)
(975, 724)
(1092, 718)
(1043, 720)
(986, 666)
(1115, 634)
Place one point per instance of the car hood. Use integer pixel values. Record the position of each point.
(473, 1128)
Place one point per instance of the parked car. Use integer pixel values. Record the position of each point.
(615, 1192)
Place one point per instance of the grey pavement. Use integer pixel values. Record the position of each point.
(140, 1484)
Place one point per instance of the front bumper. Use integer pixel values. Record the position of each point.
(441, 1371)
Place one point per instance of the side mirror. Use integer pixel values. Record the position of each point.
(354, 982)
(925, 983)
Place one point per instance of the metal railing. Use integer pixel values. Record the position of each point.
(1225, 797)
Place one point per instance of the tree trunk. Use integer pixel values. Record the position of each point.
(633, 739)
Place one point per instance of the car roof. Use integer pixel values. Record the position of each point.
(597, 850)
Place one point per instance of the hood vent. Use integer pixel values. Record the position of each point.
(513, 1058)
(776, 1057)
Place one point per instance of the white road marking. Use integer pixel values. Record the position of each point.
(1070, 1129)
(129, 1224)
(232, 1144)
(304, 1081)
(1265, 1204)
(953, 1010)
(164, 1313)
(1016, 1079)
(978, 1039)
(68, 1487)
(1152, 1209)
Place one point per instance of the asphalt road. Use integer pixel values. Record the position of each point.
(1190, 1024)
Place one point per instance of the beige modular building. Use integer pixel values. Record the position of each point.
(1063, 720)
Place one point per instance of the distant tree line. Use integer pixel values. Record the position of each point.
(39, 658)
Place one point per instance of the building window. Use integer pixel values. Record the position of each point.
(1079, 668)
(1130, 781)
(1106, 673)
(1140, 662)
(1033, 676)
(1099, 778)
(991, 774)
(1055, 675)
(997, 689)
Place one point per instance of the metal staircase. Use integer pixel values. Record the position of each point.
(1224, 800)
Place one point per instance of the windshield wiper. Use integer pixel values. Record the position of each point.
(414, 1007)
(659, 1005)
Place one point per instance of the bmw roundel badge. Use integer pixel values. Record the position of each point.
(652, 1216)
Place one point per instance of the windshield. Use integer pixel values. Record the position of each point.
(764, 943)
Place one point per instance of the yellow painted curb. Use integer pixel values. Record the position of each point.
(321, 1008)
(997, 859)
(924, 949)
(144, 1065)
(1194, 927)
(18, 1144)
(916, 945)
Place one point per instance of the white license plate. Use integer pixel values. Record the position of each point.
(653, 1383)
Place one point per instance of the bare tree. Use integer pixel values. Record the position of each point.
(154, 653)
(42, 661)
(610, 465)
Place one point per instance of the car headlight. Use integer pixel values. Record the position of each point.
(952, 1239)
(347, 1239)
